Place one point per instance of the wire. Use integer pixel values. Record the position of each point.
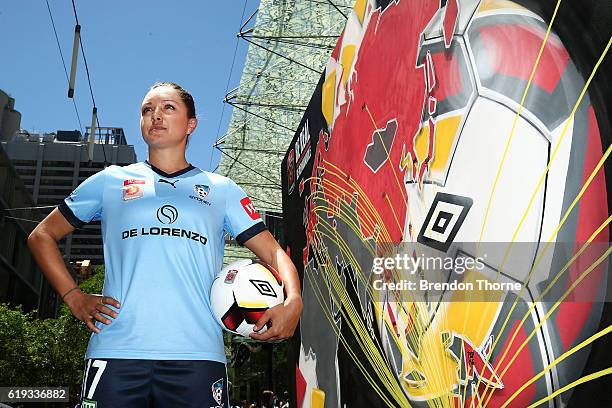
(276, 209)
(229, 77)
(38, 222)
(337, 9)
(235, 159)
(245, 38)
(93, 99)
(75, 13)
(29, 208)
(22, 219)
(259, 116)
(273, 216)
(64, 63)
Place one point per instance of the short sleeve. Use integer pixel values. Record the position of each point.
(84, 204)
(241, 221)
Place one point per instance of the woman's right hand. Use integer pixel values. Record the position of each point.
(91, 308)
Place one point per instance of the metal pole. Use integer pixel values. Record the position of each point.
(92, 132)
(75, 58)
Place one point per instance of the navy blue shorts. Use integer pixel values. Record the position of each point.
(122, 383)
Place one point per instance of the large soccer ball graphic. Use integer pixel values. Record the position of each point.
(430, 143)
(242, 292)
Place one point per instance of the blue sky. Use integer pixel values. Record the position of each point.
(128, 45)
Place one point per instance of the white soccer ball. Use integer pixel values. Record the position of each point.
(242, 292)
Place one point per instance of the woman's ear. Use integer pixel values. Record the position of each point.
(191, 125)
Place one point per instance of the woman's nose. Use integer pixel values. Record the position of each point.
(157, 114)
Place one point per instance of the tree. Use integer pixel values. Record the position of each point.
(248, 365)
(45, 352)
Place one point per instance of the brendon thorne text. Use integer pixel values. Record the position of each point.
(454, 285)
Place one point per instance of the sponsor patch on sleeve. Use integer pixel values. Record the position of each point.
(249, 208)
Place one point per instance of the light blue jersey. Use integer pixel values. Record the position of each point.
(163, 245)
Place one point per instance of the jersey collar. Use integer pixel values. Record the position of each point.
(169, 175)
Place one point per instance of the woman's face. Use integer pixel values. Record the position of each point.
(163, 118)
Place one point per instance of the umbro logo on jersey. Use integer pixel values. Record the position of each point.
(132, 189)
(172, 183)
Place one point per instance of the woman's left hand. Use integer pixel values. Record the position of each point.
(282, 320)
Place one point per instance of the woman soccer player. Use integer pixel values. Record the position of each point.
(155, 341)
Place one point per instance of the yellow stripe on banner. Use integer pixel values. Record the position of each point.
(360, 7)
(558, 360)
(360, 332)
(571, 385)
(421, 143)
(347, 57)
(328, 96)
(488, 5)
(446, 131)
(317, 398)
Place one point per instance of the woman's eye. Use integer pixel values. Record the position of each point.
(146, 110)
(169, 107)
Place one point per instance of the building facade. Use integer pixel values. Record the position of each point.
(21, 283)
(52, 165)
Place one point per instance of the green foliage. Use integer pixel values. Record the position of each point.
(44, 352)
(251, 378)
(14, 361)
(95, 282)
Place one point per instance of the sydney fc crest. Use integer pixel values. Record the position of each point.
(202, 190)
(217, 390)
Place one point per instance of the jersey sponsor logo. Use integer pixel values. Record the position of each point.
(217, 390)
(165, 231)
(133, 189)
(202, 190)
(249, 208)
(167, 214)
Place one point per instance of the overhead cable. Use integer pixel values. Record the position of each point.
(76, 111)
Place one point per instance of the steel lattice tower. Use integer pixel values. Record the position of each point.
(289, 44)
